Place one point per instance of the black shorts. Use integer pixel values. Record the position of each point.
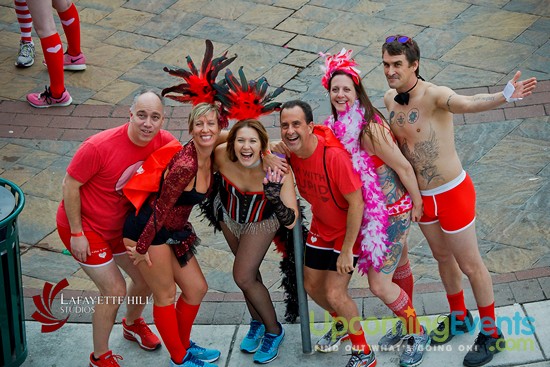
(318, 259)
(135, 224)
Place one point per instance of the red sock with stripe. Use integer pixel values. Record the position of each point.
(53, 55)
(166, 323)
(488, 319)
(71, 26)
(457, 305)
(403, 277)
(186, 315)
(402, 307)
(25, 20)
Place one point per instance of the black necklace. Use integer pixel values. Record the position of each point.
(403, 98)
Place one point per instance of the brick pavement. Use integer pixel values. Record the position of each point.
(77, 122)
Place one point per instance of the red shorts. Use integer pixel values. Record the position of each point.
(453, 204)
(102, 251)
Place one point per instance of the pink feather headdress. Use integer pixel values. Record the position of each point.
(340, 61)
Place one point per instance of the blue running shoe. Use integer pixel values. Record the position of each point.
(253, 338)
(191, 361)
(415, 346)
(269, 350)
(204, 354)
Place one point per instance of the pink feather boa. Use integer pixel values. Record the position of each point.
(374, 238)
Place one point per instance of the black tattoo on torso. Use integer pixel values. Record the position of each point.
(423, 157)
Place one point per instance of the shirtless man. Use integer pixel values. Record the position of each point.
(421, 117)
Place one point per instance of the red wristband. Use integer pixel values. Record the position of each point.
(79, 234)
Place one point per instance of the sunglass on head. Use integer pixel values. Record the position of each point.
(400, 39)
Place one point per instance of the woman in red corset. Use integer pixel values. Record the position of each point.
(251, 206)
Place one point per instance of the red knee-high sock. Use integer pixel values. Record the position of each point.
(402, 307)
(358, 340)
(403, 277)
(24, 18)
(186, 315)
(53, 55)
(488, 319)
(166, 321)
(71, 26)
(457, 305)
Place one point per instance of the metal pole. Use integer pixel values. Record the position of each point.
(302, 296)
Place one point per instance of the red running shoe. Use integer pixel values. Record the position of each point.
(105, 360)
(139, 332)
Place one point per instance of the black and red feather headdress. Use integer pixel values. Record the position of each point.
(246, 99)
(199, 84)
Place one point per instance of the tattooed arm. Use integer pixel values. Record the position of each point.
(448, 100)
(388, 151)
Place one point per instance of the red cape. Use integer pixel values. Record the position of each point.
(326, 133)
(146, 180)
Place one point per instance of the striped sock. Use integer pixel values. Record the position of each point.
(403, 277)
(25, 20)
(402, 307)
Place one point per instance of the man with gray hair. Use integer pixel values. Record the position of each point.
(91, 216)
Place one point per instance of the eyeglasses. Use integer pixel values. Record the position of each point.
(401, 39)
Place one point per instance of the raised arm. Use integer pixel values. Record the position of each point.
(515, 90)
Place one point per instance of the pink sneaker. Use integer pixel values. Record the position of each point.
(45, 99)
(74, 63)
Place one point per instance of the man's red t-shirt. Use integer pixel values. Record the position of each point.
(328, 219)
(103, 164)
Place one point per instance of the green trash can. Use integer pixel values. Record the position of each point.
(13, 340)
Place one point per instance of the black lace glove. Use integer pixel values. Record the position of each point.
(284, 214)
